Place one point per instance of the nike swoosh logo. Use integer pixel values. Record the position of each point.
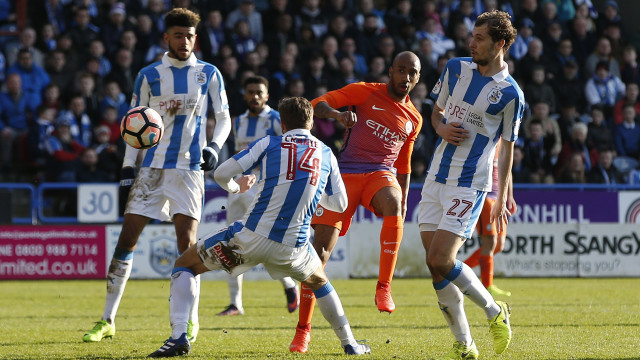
(458, 76)
(376, 108)
(390, 242)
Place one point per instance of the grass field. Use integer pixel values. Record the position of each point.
(551, 319)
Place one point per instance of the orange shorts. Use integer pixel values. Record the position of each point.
(484, 227)
(360, 190)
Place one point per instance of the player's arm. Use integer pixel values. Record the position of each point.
(335, 194)
(451, 132)
(499, 211)
(403, 181)
(219, 105)
(225, 173)
(325, 111)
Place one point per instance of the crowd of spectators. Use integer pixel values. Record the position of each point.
(67, 78)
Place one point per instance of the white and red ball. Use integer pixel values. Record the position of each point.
(142, 127)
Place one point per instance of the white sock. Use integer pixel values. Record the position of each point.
(119, 272)
(288, 282)
(331, 308)
(183, 293)
(467, 281)
(235, 289)
(193, 315)
(451, 304)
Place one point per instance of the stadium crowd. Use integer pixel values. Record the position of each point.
(67, 78)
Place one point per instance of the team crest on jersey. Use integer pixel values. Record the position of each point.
(162, 255)
(437, 88)
(494, 96)
(319, 211)
(408, 126)
(201, 78)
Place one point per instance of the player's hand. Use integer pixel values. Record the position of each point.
(209, 158)
(453, 133)
(348, 118)
(246, 182)
(499, 214)
(127, 177)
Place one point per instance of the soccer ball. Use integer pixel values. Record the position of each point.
(142, 127)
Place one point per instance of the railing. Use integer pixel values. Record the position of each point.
(56, 203)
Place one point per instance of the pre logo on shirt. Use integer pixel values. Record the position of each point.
(201, 78)
(494, 96)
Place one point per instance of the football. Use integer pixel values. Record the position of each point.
(141, 127)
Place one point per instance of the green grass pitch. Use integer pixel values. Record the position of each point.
(551, 319)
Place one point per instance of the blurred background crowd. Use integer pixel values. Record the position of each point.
(67, 69)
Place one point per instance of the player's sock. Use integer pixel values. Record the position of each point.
(288, 282)
(183, 293)
(451, 304)
(119, 271)
(331, 308)
(390, 239)
(486, 270)
(469, 284)
(307, 302)
(193, 314)
(235, 290)
(474, 259)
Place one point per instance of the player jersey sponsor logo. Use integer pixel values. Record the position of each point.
(163, 255)
(462, 114)
(494, 96)
(319, 211)
(437, 88)
(408, 127)
(384, 133)
(201, 78)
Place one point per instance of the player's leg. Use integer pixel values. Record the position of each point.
(450, 298)
(186, 232)
(215, 255)
(487, 273)
(234, 283)
(291, 293)
(117, 276)
(461, 215)
(184, 291)
(237, 205)
(332, 310)
(387, 202)
(484, 227)
(325, 239)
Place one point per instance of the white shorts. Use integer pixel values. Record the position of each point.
(237, 249)
(452, 208)
(162, 193)
(237, 204)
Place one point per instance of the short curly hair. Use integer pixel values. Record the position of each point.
(181, 17)
(500, 27)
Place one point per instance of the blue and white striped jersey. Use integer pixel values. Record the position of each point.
(296, 168)
(489, 107)
(248, 129)
(182, 96)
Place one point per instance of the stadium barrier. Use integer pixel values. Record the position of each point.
(559, 231)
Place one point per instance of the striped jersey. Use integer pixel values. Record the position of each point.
(488, 107)
(248, 129)
(182, 96)
(383, 136)
(296, 168)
